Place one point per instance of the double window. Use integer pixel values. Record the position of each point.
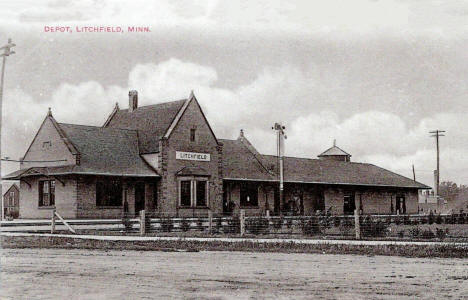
(193, 192)
(248, 194)
(47, 193)
(109, 193)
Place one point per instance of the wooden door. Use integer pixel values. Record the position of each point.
(139, 196)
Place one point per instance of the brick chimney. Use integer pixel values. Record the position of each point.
(132, 100)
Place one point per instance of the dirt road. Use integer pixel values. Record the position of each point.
(85, 274)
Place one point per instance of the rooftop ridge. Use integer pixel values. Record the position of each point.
(324, 153)
(317, 159)
(97, 127)
(154, 104)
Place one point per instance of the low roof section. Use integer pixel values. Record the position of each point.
(102, 151)
(241, 164)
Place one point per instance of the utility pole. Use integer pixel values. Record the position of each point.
(6, 52)
(280, 137)
(437, 133)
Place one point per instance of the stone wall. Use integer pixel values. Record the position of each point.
(179, 140)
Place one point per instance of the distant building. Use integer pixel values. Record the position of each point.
(165, 158)
(430, 202)
(11, 201)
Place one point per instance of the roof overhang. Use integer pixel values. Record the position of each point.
(192, 171)
(424, 187)
(52, 171)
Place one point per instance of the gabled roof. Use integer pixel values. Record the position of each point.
(181, 112)
(62, 134)
(192, 171)
(102, 151)
(13, 186)
(107, 150)
(342, 173)
(151, 121)
(241, 164)
(334, 151)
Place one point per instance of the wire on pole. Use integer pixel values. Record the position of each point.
(6, 52)
(437, 133)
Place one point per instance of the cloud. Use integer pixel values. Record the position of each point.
(385, 140)
(301, 16)
(171, 79)
(285, 94)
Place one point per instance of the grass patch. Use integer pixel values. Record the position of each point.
(250, 246)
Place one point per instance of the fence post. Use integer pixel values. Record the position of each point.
(52, 222)
(357, 225)
(210, 221)
(142, 222)
(242, 222)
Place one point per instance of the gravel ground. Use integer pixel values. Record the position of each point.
(85, 274)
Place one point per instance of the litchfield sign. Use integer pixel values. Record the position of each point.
(193, 156)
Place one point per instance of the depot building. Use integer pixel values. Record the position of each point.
(165, 158)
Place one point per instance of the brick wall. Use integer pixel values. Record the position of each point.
(86, 198)
(411, 202)
(265, 194)
(310, 200)
(374, 201)
(334, 200)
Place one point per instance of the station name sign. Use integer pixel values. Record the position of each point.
(193, 156)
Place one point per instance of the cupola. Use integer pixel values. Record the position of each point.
(335, 153)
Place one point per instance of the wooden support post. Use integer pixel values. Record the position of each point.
(267, 214)
(210, 221)
(242, 222)
(142, 223)
(52, 222)
(357, 225)
(64, 222)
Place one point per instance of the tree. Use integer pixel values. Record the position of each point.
(456, 196)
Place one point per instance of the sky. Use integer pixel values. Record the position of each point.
(377, 76)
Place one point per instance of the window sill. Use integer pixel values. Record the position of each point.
(46, 207)
(193, 207)
(109, 207)
(249, 207)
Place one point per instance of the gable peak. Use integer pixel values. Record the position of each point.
(192, 95)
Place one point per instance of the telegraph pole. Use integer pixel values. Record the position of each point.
(280, 137)
(437, 133)
(6, 52)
